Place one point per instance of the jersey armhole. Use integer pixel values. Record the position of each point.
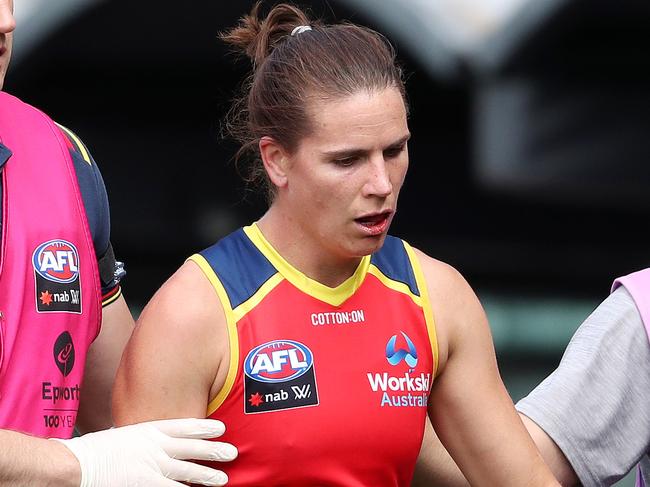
(233, 337)
(426, 304)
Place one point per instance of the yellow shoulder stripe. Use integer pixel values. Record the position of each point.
(240, 311)
(81, 148)
(233, 338)
(394, 285)
(426, 304)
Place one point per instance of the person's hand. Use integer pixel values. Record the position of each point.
(152, 454)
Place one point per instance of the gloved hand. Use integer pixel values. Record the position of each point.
(151, 454)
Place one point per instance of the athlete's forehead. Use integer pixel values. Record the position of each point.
(359, 121)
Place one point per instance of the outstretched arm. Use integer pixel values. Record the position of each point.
(590, 418)
(150, 454)
(26, 461)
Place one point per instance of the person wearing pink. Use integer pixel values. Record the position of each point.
(64, 321)
(590, 417)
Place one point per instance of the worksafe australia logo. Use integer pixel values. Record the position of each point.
(401, 389)
(395, 355)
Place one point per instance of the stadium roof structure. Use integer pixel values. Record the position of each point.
(446, 34)
(38, 18)
(441, 34)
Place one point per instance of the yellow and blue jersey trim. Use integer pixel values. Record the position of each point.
(240, 266)
(244, 267)
(78, 146)
(398, 268)
(334, 296)
(241, 276)
(392, 266)
(425, 303)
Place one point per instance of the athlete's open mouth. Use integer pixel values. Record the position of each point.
(375, 224)
(373, 219)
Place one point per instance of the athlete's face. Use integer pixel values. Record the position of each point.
(343, 181)
(7, 25)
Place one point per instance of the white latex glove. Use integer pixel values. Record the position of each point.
(152, 454)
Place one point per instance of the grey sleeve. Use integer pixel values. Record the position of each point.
(596, 404)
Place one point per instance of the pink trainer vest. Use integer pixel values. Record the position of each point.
(50, 298)
(638, 285)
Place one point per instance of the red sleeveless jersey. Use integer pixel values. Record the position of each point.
(326, 386)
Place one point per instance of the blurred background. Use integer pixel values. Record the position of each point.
(529, 157)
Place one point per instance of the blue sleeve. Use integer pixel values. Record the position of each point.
(95, 199)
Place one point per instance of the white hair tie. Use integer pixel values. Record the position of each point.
(300, 29)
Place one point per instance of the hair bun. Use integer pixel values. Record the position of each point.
(257, 37)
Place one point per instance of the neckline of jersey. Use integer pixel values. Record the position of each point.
(334, 296)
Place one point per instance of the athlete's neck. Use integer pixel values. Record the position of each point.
(304, 252)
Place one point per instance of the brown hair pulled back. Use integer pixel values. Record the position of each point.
(326, 62)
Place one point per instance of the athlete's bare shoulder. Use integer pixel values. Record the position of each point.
(455, 307)
(442, 279)
(183, 322)
(188, 295)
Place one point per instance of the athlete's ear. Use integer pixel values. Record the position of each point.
(275, 160)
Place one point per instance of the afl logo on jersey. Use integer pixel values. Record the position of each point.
(57, 261)
(278, 361)
(279, 376)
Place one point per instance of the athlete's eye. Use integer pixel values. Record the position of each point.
(393, 152)
(346, 161)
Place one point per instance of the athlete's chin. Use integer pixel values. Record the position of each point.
(378, 243)
(368, 245)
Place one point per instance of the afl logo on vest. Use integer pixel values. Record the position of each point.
(56, 273)
(279, 375)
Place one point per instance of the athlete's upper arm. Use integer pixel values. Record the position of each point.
(469, 407)
(172, 359)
